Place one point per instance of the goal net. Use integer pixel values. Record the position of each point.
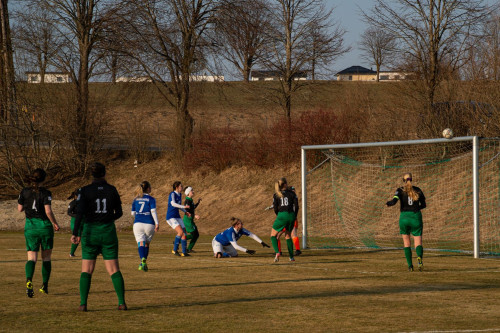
(345, 188)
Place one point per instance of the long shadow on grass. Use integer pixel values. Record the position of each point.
(376, 291)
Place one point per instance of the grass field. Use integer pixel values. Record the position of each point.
(323, 291)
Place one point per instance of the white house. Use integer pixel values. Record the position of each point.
(263, 75)
(49, 77)
(133, 79)
(206, 78)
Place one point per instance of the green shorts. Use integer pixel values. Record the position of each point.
(284, 220)
(36, 238)
(410, 222)
(99, 239)
(189, 224)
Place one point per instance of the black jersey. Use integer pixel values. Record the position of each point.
(288, 203)
(72, 208)
(34, 202)
(192, 206)
(407, 204)
(99, 202)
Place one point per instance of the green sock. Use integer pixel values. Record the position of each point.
(289, 245)
(408, 256)
(420, 251)
(30, 269)
(191, 244)
(85, 280)
(46, 269)
(73, 248)
(274, 241)
(119, 285)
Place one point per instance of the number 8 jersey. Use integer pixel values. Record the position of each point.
(407, 204)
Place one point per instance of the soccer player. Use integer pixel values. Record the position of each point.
(410, 219)
(225, 243)
(174, 218)
(35, 202)
(191, 228)
(145, 222)
(101, 205)
(72, 213)
(286, 207)
(295, 237)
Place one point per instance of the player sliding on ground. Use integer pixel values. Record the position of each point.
(225, 243)
(410, 219)
(145, 221)
(286, 207)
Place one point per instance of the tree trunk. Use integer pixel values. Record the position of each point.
(9, 108)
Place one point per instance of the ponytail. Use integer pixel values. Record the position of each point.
(142, 188)
(408, 188)
(36, 177)
(280, 186)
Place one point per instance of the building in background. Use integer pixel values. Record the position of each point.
(263, 75)
(49, 77)
(360, 73)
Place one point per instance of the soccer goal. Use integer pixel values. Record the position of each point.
(345, 188)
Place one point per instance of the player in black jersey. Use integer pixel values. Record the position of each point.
(410, 219)
(39, 228)
(286, 207)
(101, 205)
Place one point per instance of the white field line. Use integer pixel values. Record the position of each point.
(458, 331)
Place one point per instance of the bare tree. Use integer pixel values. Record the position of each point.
(240, 33)
(377, 46)
(432, 34)
(81, 24)
(8, 108)
(35, 38)
(164, 37)
(303, 35)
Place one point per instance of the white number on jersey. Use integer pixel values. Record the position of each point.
(284, 201)
(142, 203)
(34, 206)
(410, 201)
(104, 209)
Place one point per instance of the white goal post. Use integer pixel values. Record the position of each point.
(344, 188)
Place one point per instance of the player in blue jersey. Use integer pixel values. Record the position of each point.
(35, 201)
(174, 219)
(145, 222)
(225, 243)
(410, 219)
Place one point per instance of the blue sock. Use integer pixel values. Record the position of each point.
(141, 252)
(146, 252)
(184, 245)
(225, 255)
(176, 242)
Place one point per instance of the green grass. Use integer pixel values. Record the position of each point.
(323, 291)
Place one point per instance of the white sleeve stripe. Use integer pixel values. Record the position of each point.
(237, 247)
(155, 216)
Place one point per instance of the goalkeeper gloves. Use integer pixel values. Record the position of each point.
(391, 203)
(264, 244)
(251, 251)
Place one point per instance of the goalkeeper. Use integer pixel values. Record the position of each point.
(410, 219)
(225, 243)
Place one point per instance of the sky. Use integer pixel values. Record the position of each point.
(346, 13)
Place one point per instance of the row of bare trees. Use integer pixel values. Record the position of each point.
(168, 41)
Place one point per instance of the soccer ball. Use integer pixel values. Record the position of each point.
(447, 133)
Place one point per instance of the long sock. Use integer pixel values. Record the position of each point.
(420, 251)
(85, 281)
(119, 285)
(177, 240)
(73, 249)
(195, 235)
(142, 252)
(146, 252)
(289, 245)
(274, 242)
(184, 245)
(279, 245)
(30, 269)
(408, 256)
(46, 269)
(296, 243)
(189, 236)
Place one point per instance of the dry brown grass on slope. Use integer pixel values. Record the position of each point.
(238, 191)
